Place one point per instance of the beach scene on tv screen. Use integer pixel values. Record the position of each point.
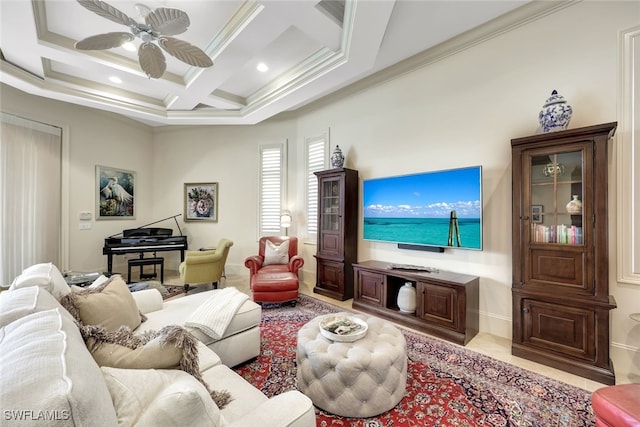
(441, 208)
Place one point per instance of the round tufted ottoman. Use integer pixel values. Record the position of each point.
(358, 379)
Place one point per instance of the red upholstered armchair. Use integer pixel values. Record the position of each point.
(617, 405)
(256, 263)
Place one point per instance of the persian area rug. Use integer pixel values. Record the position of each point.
(172, 291)
(447, 385)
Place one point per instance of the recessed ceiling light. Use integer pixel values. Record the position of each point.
(129, 46)
(262, 67)
(115, 79)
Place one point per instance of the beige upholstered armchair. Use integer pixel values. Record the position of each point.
(203, 267)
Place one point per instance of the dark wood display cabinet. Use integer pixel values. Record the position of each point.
(561, 301)
(447, 302)
(337, 232)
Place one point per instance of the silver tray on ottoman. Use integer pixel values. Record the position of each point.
(341, 328)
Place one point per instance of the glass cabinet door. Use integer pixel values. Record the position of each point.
(330, 202)
(556, 197)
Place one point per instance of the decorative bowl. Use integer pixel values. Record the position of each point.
(343, 328)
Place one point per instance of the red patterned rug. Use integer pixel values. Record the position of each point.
(172, 291)
(447, 385)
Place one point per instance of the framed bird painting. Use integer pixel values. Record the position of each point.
(115, 193)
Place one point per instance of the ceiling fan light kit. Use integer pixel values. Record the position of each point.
(158, 25)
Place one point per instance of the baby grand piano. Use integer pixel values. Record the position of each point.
(142, 240)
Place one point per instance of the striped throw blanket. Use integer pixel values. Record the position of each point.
(214, 315)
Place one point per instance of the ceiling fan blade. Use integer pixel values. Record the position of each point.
(167, 21)
(104, 41)
(185, 52)
(151, 60)
(107, 11)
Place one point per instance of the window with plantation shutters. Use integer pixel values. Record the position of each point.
(271, 188)
(316, 155)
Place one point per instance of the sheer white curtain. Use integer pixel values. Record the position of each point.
(30, 193)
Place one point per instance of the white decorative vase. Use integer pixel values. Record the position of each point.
(337, 158)
(407, 298)
(574, 207)
(555, 114)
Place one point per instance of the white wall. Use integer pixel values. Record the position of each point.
(462, 110)
(228, 155)
(91, 138)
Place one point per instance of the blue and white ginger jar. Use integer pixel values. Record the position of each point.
(555, 114)
(337, 158)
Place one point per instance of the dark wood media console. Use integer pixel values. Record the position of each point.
(447, 302)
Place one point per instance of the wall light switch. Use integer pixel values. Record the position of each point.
(85, 215)
(84, 226)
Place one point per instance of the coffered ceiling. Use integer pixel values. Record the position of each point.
(312, 48)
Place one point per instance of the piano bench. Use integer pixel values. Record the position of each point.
(141, 262)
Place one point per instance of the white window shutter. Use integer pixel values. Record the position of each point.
(316, 161)
(271, 185)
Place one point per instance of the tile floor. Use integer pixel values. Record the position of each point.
(491, 345)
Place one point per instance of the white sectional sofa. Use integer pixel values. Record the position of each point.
(49, 377)
(240, 342)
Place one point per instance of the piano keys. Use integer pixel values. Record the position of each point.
(141, 241)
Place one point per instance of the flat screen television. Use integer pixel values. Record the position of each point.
(440, 209)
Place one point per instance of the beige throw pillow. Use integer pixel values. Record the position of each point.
(172, 347)
(159, 398)
(276, 254)
(156, 354)
(110, 305)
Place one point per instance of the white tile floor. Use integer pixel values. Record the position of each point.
(484, 343)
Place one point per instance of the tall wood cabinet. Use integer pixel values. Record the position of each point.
(337, 232)
(561, 300)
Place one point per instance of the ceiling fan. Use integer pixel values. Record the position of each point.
(158, 26)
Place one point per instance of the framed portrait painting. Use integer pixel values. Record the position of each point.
(201, 201)
(115, 193)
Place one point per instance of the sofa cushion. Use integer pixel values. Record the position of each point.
(207, 358)
(110, 305)
(159, 398)
(248, 399)
(24, 301)
(276, 254)
(177, 311)
(46, 276)
(46, 371)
